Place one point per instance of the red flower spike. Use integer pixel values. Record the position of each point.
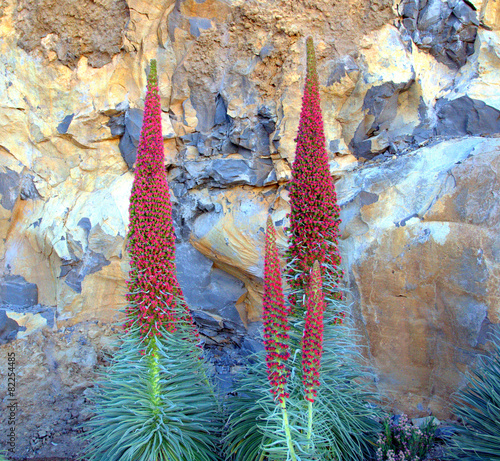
(275, 317)
(152, 285)
(314, 212)
(312, 340)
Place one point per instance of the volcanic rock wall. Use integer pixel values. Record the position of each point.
(411, 104)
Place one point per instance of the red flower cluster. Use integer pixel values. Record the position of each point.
(312, 340)
(275, 317)
(314, 214)
(153, 290)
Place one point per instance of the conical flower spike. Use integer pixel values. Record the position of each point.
(154, 291)
(312, 341)
(275, 317)
(314, 213)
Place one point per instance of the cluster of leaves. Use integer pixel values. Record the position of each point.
(402, 441)
(478, 406)
(154, 406)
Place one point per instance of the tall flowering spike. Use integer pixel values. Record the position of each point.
(312, 340)
(314, 214)
(154, 292)
(275, 317)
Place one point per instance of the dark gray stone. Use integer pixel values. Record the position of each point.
(381, 102)
(62, 128)
(199, 172)
(28, 188)
(267, 119)
(367, 198)
(447, 30)
(195, 24)
(253, 339)
(8, 328)
(48, 314)
(207, 288)
(85, 224)
(204, 105)
(130, 139)
(9, 188)
(341, 69)
(224, 292)
(221, 116)
(266, 51)
(230, 171)
(466, 116)
(117, 124)
(252, 137)
(75, 271)
(16, 291)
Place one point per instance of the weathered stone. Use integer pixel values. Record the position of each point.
(221, 116)
(9, 188)
(433, 263)
(16, 291)
(8, 328)
(75, 271)
(206, 287)
(374, 133)
(465, 116)
(130, 138)
(234, 172)
(446, 29)
(93, 29)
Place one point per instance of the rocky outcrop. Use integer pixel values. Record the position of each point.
(67, 31)
(410, 99)
(447, 30)
(424, 273)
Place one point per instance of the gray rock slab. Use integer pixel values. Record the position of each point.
(466, 117)
(130, 139)
(75, 271)
(205, 287)
(15, 290)
(9, 188)
(8, 328)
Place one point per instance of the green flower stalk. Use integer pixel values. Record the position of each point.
(314, 212)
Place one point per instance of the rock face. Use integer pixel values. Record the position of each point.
(425, 273)
(411, 103)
